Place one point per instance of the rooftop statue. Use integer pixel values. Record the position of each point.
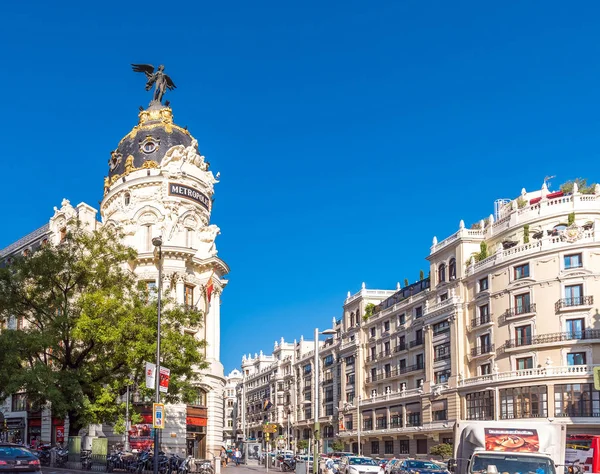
(161, 81)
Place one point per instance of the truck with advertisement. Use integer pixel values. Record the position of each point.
(583, 450)
(508, 447)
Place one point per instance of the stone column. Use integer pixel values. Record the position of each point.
(180, 289)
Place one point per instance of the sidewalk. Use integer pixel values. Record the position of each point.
(231, 468)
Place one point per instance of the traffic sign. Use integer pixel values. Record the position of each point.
(270, 428)
(158, 418)
(597, 378)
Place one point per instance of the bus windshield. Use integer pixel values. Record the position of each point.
(510, 464)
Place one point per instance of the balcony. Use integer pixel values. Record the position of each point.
(562, 372)
(480, 321)
(519, 311)
(439, 357)
(439, 415)
(411, 368)
(552, 338)
(371, 358)
(328, 379)
(565, 304)
(384, 354)
(482, 350)
(416, 342)
(400, 347)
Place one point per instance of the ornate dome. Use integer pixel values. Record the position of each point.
(147, 143)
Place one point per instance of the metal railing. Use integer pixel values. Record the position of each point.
(481, 350)
(574, 301)
(519, 310)
(553, 337)
(400, 347)
(416, 342)
(439, 357)
(481, 320)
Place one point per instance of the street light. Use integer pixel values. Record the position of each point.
(327, 332)
(157, 242)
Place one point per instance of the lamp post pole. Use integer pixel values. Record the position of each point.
(157, 242)
(316, 410)
(358, 420)
(127, 420)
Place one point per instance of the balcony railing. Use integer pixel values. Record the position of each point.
(480, 321)
(565, 371)
(371, 358)
(416, 342)
(481, 350)
(553, 337)
(439, 415)
(396, 422)
(519, 310)
(394, 372)
(328, 399)
(381, 424)
(413, 419)
(439, 357)
(384, 354)
(400, 347)
(574, 301)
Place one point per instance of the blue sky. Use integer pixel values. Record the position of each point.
(347, 134)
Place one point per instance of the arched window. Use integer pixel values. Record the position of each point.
(351, 319)
(452, 269)
(127, 199)
(442, 273)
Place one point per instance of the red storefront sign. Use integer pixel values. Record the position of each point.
(195, 420)
(34, 422)
(60, 434)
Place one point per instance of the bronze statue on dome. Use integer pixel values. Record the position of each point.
(159, 79)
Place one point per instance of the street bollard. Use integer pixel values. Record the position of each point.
(217, 465)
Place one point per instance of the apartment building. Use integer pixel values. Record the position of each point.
(505, 326)
(230, 407)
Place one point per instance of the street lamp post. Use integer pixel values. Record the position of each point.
(316, 436)
(350, 406)
(157, 242)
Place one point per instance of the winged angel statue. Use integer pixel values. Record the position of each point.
(158, 78)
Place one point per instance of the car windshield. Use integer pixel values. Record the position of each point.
(13, 452)
(362, 461)
(422, 465)
(510, 464)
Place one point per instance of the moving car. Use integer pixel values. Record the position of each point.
(16, 458)
(359, 465)
(390, 465)
(411, 466)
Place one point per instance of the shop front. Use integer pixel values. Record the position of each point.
(196, 421)
(34, 430)
(13, 430)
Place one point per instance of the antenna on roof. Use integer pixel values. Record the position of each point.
(547, 181)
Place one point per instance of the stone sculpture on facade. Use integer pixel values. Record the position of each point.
(206, 241)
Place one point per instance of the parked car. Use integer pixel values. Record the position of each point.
(359, 465)
(410, 466)
(16, 458)
(390, 465)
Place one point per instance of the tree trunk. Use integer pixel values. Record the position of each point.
(75, 423)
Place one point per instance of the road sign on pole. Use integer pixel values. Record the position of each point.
(158, 416)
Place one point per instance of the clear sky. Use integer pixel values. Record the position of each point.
(347, 133)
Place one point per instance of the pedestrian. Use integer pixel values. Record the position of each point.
(238, 456)
(223, 457)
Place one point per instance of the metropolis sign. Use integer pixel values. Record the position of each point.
(189, 193)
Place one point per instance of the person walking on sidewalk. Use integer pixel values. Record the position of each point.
(237, 456)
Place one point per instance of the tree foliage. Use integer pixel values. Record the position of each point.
(87, 328)
(302, 444)
(338, 445)
(444, 450)
(582, 186)
(369, 309)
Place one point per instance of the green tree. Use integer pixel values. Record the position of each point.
(369, 309)
(571, 218)
(421, 274)
(88, 327)
(338, 445)
(444, 450)
(405, 282)
(526, 234)
(302, 444)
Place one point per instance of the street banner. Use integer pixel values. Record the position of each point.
(158, 416)
(150, 371)
(165, 376)
(163, 381)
